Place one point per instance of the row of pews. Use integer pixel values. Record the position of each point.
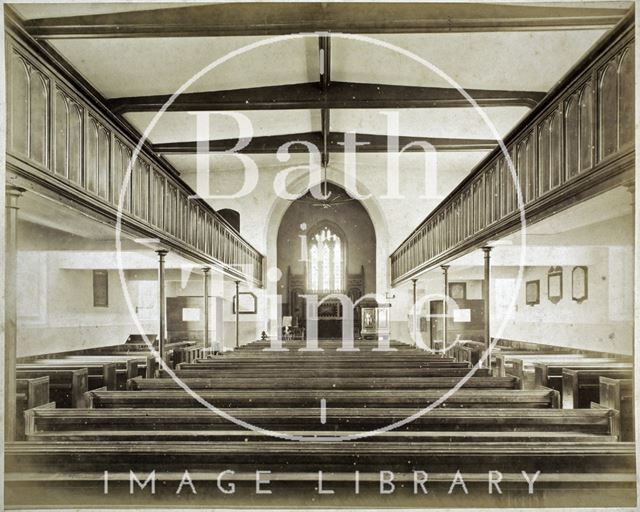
(63, 380)
(299, 421)
(582, 380)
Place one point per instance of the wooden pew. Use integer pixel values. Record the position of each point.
(35, 391)
(326, 383)
(318, 363)
(186, 354)
(599, 422)
(295, 355)
(580, 387)
(99, 374)
(319, 372)
(463, 398)
(500, 359)
(618, 394)
(146, 362)
(503, 360)
(469, 351)
(550, 374)
(56, 468)
(67, 387)
(30, 393)
(523, 366)
(73, 457)
(331, 346)
(129, 365)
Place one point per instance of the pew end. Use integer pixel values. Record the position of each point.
(30, 417)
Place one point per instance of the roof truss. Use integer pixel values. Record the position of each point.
(366, 143)
(313, 95)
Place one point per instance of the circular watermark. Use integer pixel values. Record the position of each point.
(326, 438)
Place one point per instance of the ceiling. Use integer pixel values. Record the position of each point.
(501, 60)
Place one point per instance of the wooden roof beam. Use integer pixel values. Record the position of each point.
(373, 144)
(340, 95)
(250, 19)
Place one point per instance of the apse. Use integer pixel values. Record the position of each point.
(325, 246)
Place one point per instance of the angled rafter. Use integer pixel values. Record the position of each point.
(367, 143)
(268, 18)
(339, 95)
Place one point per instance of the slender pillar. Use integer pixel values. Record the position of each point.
(237, 299)
(218, 337)
(163, 309)
(205, 295)
(10, 311)
(486, 291)
(415, 319)
(445, 307)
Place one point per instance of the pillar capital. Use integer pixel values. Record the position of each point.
(487, 249)
(206, 269)
(162, 253)
(13, 193)
(444, 268)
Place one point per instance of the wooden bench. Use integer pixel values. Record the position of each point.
(501, 357)
(332, 346)
(128, 366)
(618, 394)
(76, 484)
(318, 372)
(116, 380)
(503, 360)
(99, 374)
(523, 367)
(463, 398)
(186, 354)
(581, 387)
(30, 393)
(324, 355)
(67, 387)
(469, 351)
(601, 422)
(550, 374)
(318, 363)
(146, 362)
(35, 391)
(326, 383)
(60, 457)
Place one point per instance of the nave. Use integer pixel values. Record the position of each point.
(316, 427)
(485, 275)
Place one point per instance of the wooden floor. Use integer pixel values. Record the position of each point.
(489, 424)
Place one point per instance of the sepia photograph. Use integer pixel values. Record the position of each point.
(327, 255)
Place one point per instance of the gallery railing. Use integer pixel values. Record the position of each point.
(580, 137)
(61, 136)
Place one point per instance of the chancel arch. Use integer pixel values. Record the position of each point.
(322, 250)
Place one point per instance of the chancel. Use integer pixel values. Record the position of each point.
(319, 254)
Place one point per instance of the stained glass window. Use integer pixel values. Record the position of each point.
(325, 261)
(313, 252)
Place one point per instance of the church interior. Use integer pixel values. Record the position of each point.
(319, 254)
